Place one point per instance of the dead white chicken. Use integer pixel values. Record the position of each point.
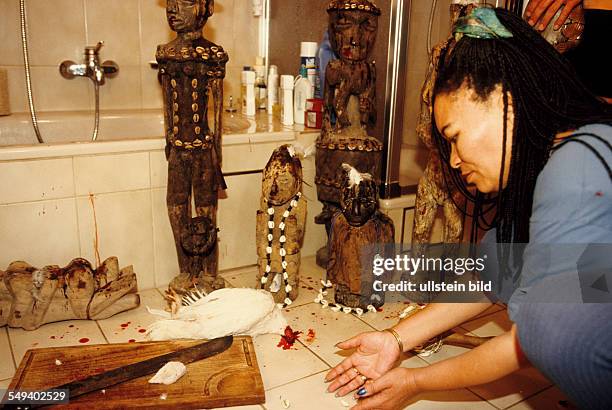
(169, 373)
(228, 311)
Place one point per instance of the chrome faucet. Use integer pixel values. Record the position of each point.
(91, 67)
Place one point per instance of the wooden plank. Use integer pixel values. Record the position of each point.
(231, 378)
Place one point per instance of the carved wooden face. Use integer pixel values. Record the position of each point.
(282, 177)
(352, 33)
(188, 15)
(359, 202)
(199, 236)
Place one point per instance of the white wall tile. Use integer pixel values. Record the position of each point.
(24, 181)
(40, 233)
(16, 89)
(166, 261)
(159, 169)
(7, 367)
(151, 89)
(236, 219)
(111, 173)
(57, 31)
(116, 23)
(10, 52)
(124, 230)
(52, 92)
(122, 91)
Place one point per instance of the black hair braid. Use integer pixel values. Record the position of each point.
(546, 97)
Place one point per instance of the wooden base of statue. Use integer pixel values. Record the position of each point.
(31, 297)
(198, 256)
(349, 267)
(294, 234)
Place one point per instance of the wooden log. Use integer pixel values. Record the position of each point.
(31, 297)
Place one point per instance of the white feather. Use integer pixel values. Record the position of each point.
(229, 311)
(355, 177)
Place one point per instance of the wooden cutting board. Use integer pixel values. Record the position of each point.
(231, 378)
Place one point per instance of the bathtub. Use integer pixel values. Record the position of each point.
(54, 195)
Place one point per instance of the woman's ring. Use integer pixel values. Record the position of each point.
(356, 372)
(363, 378)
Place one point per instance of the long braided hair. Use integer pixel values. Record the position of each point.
(547, 98)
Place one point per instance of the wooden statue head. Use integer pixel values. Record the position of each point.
(199, 236)
(282, 176)
(359, 196)
(185, 16)
(352, 28)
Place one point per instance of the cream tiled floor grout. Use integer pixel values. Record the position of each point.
(316, 355)
(8, 337)
(297, 380)
(102, 331)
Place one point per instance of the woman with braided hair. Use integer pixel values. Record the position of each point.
(513, 123)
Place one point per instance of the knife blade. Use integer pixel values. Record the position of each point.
(142, 368)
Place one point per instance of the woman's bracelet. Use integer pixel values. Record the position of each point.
(397, 337)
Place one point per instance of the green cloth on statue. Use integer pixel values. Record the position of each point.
(481, 23)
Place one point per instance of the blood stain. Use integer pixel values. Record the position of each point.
(310, 288)
(142, 330)
(84, 340)
(289, 338)
(311, 335)
(132, 341)
(598, 193)
(124, 325)
(70, 325)
(51, 337)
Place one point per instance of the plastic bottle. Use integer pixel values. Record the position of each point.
(303, 91)
(308, 54)
(261, 91)
(248, 92)
(287, 99)
(272, 89)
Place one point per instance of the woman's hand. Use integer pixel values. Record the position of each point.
(543, 11)
(376, 353)
(391, 391)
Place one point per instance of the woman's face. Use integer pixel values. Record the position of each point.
(474, 129)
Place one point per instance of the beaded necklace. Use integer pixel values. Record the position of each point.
(283, 252)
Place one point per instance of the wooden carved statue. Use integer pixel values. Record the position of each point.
(191, 72)
(432, 191)
(350, 103)
(281, 221)
(31, 297)
(359, 227)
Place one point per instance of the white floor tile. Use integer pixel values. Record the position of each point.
(305, 394)
(550, 399)
(387, 317)
(280, 366)
(329, 328)
(490, 325)
(130, 326)
(68, 333)
(7, 367)
(512, 389)
(4, 384)
(453, 400)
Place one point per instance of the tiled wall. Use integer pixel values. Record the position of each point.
(47, 217)
(131, 29)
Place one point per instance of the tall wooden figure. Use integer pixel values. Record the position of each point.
(280, 225)
(191, 71)
(350, 104)
(358, 233)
